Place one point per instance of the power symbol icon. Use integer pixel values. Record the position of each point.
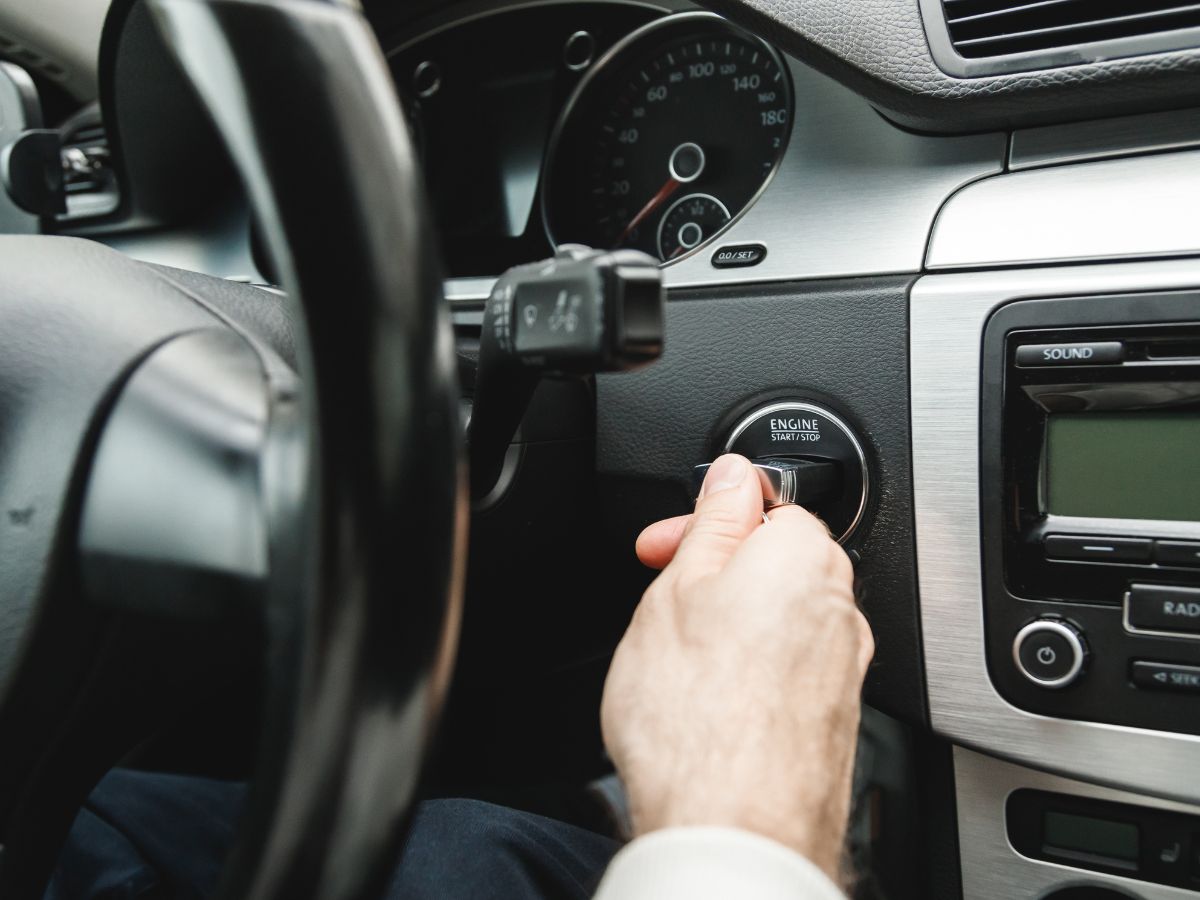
(1050, 653)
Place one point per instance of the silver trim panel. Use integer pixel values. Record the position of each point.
(993, 870)
(1051, 145)
(947, 318)
(1138, 207)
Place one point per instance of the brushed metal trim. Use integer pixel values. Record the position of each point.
(1136, 207)
(947, 318)
(1050, 145)
(993, 870)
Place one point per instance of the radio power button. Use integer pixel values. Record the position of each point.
(1050, 652)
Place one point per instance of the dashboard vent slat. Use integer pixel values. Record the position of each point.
(989, 28)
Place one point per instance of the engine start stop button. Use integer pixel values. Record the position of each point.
(805, 430)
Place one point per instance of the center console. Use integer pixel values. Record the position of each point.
(1090, 507)
(1056, 469)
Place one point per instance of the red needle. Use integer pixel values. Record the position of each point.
(663, 193)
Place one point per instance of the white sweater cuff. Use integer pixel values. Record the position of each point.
(699, 863)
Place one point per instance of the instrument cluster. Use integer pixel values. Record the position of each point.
(605, 124)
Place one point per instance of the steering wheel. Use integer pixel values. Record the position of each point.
(181, 500)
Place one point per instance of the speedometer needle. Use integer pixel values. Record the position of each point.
(684, 165)
(655, 202)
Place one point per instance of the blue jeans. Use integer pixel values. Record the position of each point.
(152, 836)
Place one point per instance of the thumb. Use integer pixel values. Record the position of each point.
(729, 509)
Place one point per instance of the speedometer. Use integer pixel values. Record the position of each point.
(669, 138)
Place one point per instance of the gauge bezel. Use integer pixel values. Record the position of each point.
(658, 237)
(612, 58)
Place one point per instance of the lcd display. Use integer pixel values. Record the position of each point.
(1070, 834)
(488, 191)
(1123, 465)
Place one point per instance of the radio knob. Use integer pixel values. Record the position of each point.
(1050, 652)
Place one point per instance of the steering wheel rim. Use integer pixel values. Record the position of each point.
(378, 363)
(361, 482)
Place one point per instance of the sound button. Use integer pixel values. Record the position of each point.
(1092, 353)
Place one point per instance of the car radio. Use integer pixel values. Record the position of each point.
(1090, 504)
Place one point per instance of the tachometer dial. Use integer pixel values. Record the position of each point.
(670, 137)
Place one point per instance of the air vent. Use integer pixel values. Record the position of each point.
(88, 176)
(981, 29)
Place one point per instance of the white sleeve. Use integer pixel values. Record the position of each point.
(717, 863)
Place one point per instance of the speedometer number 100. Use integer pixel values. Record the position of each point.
(669, 140)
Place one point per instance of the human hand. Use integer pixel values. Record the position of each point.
(733, 698)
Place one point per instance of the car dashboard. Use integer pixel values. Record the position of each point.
(865, 217)
(546, 125)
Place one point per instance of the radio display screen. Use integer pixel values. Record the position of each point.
(1142, 465)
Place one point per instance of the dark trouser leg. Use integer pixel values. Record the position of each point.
(149, 835)
(477, 851)
(145, 835)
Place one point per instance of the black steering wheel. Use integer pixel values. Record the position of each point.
(180, 498)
